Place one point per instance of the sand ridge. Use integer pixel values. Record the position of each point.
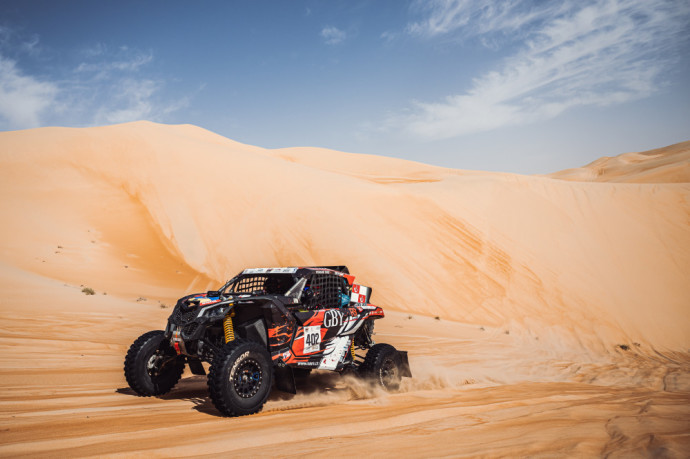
(663, 165)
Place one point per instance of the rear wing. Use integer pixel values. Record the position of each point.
(360, 294)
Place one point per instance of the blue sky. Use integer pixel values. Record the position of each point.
(512, 85)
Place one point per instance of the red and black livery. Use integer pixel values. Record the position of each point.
(266, 325)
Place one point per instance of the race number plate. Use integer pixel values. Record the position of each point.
(312, 339)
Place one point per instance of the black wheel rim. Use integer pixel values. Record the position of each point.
(389, 373)
(248, 378)
(157, 363)
(153, 364)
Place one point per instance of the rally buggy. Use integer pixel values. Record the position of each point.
(266, 326)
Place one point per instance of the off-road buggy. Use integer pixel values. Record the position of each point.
(266, 326)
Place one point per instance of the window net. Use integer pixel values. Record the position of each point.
(259, 284)
(327, 289)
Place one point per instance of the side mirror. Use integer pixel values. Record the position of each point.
(212, 293)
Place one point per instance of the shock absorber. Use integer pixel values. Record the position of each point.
(352, 349)
(228, 329)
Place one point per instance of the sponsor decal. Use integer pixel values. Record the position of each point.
(334, 353)
(270, 271)
(332, 318)
(237, 363)
(312, 339)
(205, 300)
(359, 294)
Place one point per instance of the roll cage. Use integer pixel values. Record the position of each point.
(313, 287)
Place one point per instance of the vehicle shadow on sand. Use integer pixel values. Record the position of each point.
(192, 389)
(195, 389)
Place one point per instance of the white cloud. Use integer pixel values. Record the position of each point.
(388, 36)
(475, 17)
(23, 98)
(30, 46)
(574, 54)
(116, 92)
(131, 101)
(119, 90)
(104, 68)
(93, 51)
(108, 86)
(333, 35)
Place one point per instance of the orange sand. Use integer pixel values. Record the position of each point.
(536, 281)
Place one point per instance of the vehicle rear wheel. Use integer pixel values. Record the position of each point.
(240, 378)
(151, 366)
(382, 365)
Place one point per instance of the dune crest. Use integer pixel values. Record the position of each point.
(663, 165)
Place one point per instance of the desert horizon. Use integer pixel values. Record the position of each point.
(543, 314)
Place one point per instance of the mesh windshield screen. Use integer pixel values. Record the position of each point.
(327, 289)
(272, 284)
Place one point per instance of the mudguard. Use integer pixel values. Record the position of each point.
(196, 367)
(285, 379)
(404, 365)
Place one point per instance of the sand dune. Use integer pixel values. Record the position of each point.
(664, 165)
(491, 249)
(555, 295)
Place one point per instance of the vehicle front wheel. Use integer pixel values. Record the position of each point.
(382, 365)
(151, 366)
(240, 378)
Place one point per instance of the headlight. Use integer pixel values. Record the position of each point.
(215, 311)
